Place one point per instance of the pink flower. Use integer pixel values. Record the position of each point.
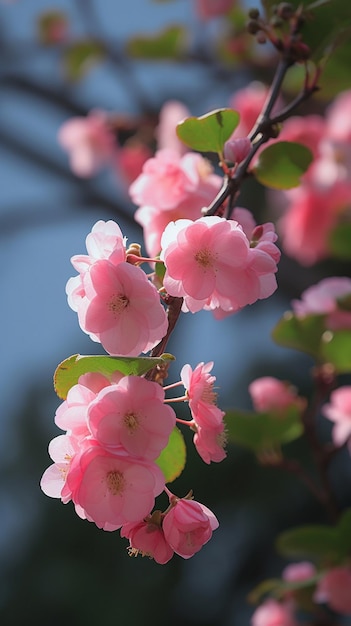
(210, 442)
(206, 9)
(121, 309)
(114, 489)
(339, 412)
(334, 590)
(89, 142)
(166, 180)
(312, 214)
(296, 572)
(202, 398)
(273, 613)
(147, 537)
(210, 264)
(270, 394)
(326, 298)
(187, 526)
(172, 112)
(131, 159)
(62, 450)
(249, 103)
(338, 118)
(132, 415)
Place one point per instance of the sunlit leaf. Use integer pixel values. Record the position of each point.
(301, 334)
(167, 44)
(209, 132)
(69, 371)
(260, 431)
(172, 459)
(282, 164)
(80, 57)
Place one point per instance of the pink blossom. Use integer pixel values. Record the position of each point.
(210, 442)
(187, 526)
(312, 214)
(296, 572)
(334, 590)
(166, 180)
(202, 398)
(338, 118)
(147, 537)
(207, 9)
(121, 309)
(62, 450)
(339, 412)
(325, 298)
(133, 415)
(172, 112)
(89, 143)
(130, 160)
(211, 265)
(273, 613)
(270, 394)
(155, 219)
(249, 102)
(114, 489)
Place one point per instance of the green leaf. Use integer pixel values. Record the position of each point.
(167, 44)
(172, 459)
(80, 57)
(260, 431)
(282, 164)
(336, 349)
(339, 241)
(279, 588)
(301, 334)
(160, 270)
(344, 532)
(69, 371)
(209, 132)
(316, 542)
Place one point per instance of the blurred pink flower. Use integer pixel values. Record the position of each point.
(296, 572)
(325, 298)
(270, 394)
(334, 590)
(121, 309)
(187, 526)
(89, 143)
(132, 415)
(207, 9)
(273, 613)
(148, 538)
(338, 118)
(338, 410)
(172, 112)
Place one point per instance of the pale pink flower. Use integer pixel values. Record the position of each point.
(167, 179)
(270, 394)
(338, 118)
(187, 526)
(114, 489)
(339, 412)
(147, 537)
(246, 220)
(325, 298)
(334, 590)
(207, 9)
(155, 219)
(202, 398)
(133, 415)
(172, 112)
(89, 143)
(296, 572)
(310, 217)
(62, 450)
(121, 309)
(130, 160)
(210, 442)
(273, 613)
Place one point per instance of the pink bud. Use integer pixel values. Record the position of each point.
(188, 526)
(236, 150)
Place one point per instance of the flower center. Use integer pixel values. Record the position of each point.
(204, 258)
(115, 483)
(117, 303)
(131, 422)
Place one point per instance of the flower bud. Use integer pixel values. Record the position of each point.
(236, 150)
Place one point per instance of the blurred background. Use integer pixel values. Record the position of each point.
(55, 568)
